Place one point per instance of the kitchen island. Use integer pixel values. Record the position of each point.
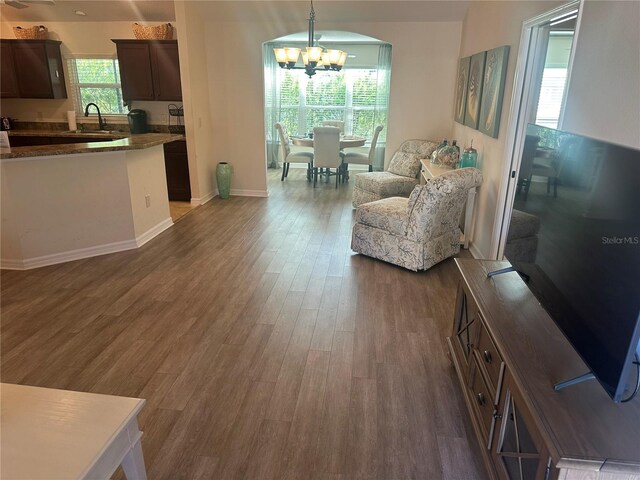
(63, 202)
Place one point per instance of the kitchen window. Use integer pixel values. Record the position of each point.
(96, 79)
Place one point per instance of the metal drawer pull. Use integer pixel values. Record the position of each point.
(487, 356)
(481, 399)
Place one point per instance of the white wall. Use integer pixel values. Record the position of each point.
(424, 62)
(76, 38)
(603, 100)
(64, 207)
(488, 25)
(205, 139)
(604, 94)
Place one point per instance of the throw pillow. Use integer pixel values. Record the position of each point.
(405, 164)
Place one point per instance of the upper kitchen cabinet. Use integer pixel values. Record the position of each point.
(32, 69)
(149, 69)
(8, 80)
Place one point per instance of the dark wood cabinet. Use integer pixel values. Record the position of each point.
(32, 69)
(8, 80)
(165, 66)
(149, 69)
(176, 163)
(508, 353)
(135, 71)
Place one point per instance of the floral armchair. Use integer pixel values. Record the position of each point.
(399, 178)
(419, 231)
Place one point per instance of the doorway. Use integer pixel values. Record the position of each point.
(542, 81)
(355, 98)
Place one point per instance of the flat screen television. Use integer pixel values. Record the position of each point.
(584, 264)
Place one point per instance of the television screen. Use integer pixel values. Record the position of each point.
(577, 222)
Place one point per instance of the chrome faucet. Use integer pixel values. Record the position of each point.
(101, 124)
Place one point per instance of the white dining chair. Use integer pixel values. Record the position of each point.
(356, 158)
(326, 152)
(289, 157)
(334, 123)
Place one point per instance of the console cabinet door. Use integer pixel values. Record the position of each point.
(8, 80)
(518, 450)
(165, 65)
(465, 330)
(135, 71)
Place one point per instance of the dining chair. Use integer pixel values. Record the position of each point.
(356, 158)
(326, 152)
(288, 156)
(334, 123)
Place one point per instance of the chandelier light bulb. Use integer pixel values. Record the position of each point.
(292, 54)
(281, 55)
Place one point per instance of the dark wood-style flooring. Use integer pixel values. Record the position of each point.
(265, 348)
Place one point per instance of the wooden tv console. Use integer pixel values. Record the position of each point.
(508, 353)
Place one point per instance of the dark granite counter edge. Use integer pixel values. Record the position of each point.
(134, 142)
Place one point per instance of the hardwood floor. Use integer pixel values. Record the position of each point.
(266, 349)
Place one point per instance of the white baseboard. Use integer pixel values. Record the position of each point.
(197, 201)
(69, 256)
(248, 193)
(153, 232)
(475, 252)
(88, 252)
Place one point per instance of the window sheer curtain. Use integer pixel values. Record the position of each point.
(382, 102)
(271, 104)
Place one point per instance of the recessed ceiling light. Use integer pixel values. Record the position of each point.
(80, 12)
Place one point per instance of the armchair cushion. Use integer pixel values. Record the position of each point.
(422, 148)
(389, 214)
(438, 205)
(385, 184)
(405, 164)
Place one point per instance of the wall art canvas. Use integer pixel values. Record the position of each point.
(461, 89)
(474, 90)
(495, 72)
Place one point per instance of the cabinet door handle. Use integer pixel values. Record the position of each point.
(496, 415)
(481, 399)
(487, 356)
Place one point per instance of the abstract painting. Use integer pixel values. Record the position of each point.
(461, 89)
(495, 72)
(474, 90)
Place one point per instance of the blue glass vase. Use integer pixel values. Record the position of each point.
(469, 158)
(223, 178)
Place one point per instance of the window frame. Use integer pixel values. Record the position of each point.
(348, 109)
(75, 85)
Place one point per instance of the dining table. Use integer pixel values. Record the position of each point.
(346, 141)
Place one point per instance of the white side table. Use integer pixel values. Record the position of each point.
(430, 171)
(49, 433)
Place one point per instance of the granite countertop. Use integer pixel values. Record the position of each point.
(123, 141)
(75, 134)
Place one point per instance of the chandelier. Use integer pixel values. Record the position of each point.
(314, 58)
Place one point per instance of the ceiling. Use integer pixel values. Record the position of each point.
(245, 10)
(96, 10)
(328, 36)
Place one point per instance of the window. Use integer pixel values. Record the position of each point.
(554, 79)
(351, 95)
(96, 80)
